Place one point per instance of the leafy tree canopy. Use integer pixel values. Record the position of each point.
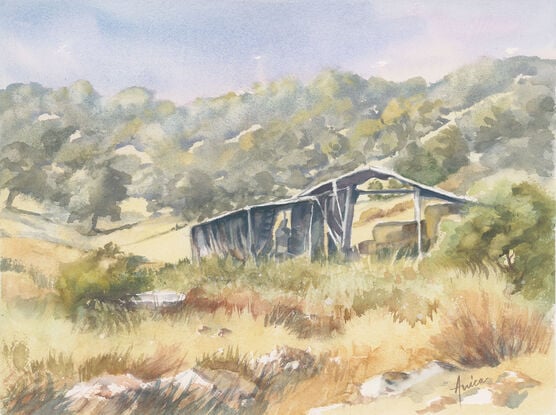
(512, 228)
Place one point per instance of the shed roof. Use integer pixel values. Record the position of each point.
(355, 177)
(360, 176)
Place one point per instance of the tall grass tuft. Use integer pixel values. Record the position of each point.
(164, 361)
(482, 329)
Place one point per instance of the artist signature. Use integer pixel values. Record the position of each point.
(465, 386)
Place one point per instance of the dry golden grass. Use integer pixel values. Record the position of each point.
(43, 256)
(369, 318)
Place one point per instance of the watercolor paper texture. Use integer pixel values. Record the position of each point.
(277, 207)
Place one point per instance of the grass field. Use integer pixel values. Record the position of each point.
(358, 319)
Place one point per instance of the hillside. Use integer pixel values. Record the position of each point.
(83, 156)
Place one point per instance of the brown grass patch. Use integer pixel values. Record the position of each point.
(230, 300)
(483, 330)
(164, 362)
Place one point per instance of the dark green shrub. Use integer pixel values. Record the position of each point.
(106, 274)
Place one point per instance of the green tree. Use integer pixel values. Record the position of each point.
(449, 149)
(98, 193)
(511, 228)
(419, 164)
(21, 173)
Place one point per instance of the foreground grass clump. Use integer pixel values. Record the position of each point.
(290, 290)
(357, 319)
(482, 329)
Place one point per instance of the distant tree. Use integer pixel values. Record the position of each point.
(419, 164)
(201, 196)
(502, 126)
(513, 229)
(98, 193)
(449, 149)
(53, 139)
(21, 172)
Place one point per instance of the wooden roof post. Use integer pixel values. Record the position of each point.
(347, 221)
(249, 232)
(195, 255)
(325, 229)
(308, 240)
(417, 210)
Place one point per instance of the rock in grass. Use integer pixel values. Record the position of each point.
(158, 299)
(224, 332)
(202, 329)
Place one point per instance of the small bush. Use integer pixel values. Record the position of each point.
(106, 274)
(482, 330)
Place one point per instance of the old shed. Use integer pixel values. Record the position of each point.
(317, 222)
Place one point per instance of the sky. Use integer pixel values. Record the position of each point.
(186, 49)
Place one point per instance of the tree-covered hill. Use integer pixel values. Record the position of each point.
(87, 153)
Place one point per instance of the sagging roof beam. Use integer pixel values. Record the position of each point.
(385, 191)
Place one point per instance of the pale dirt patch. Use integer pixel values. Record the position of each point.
(16, 285)
(33, 238)
(43, 256)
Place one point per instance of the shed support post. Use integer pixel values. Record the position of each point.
(325, 227)
(194, 251)
(310, 233)
(417, 210)
(249, 233)
(347, 221)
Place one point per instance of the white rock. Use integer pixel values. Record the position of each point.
(157, 299)
(104, 387)
(482, 397)
(373, 387)
(188, 378)
(325, 409)
(378, 386)
(293, 365)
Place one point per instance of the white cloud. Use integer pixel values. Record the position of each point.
(511, 51)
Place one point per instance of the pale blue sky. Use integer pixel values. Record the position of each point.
(184, 49)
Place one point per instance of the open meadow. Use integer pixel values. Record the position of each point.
(343, 324)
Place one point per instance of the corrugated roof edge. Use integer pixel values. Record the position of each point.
(444, 194)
